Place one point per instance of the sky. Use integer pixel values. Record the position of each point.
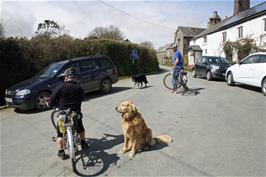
(140, 20)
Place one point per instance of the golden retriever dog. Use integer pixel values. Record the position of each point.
(137, 135)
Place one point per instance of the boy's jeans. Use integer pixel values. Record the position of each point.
(176, 71)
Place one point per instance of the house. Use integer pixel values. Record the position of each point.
(184, 35)
(246, 22)
(164, 54)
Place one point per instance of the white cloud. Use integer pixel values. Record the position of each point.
(154, 21)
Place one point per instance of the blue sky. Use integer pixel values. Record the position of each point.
(154, 21)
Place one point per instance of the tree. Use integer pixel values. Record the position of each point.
(1, 30)
(110, 32)
(49, 28)
(147, 44)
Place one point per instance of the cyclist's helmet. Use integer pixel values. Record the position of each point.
(70, 72)
(173, 46)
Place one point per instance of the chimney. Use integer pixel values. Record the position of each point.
(214, 19)
(240, 6)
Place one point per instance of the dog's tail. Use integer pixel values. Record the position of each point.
(163, 139)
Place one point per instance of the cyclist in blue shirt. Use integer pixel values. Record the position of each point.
(178, 65)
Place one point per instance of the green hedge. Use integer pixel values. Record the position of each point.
(21, 58)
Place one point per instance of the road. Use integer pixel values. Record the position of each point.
(217, 131)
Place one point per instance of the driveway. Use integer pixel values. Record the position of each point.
(217, 131)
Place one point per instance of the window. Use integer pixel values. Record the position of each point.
(264, 24)
(261, 59)
(86, 65)
(205, 51)
(71, 65)
(240, 32)
(205, 39)
(250, 60)
(224, 36)
(103, 62)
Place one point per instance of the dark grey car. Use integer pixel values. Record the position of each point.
(210, 67)
(94, 73)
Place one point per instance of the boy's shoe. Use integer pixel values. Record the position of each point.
(84, 145)
(62, 155)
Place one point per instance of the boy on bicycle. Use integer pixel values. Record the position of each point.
(178, 65)
(69, 95)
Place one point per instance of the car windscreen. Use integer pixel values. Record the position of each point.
(217, 60)
(49, 71)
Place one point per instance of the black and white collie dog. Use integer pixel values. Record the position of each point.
(139, 79)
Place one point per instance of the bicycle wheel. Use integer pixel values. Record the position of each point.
(183, 84)
(167, 81)
(54, 116)
(71, 149)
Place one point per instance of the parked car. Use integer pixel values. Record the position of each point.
(94, 73)
(250, 71)
(210, 67)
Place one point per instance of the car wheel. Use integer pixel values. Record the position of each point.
(106, 86)
(40, 101)
(194, 73)
(263, 87)
(230, 79)
(209, 76)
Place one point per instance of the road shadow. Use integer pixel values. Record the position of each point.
(248, 87)
(94, 161)
(33, 111)
(193, 91)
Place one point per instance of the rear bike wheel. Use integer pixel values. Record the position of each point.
(183, 84)
(54, 116)
(71, 148)
(168, 81)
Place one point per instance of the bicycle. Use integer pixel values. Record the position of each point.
(67, 122)
(181, 81)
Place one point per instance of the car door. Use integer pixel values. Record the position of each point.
(87, 74)
(246, 69)
(198, 66)
(203, 66)
(258, 70)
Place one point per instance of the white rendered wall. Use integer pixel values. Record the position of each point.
(253, 29)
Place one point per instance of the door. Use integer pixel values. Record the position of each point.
(202, 66)
(246, 70)
(258, 70)
(87, 74)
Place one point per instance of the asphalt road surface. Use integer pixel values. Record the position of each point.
(217, 131)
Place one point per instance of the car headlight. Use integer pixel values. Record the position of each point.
(23, 92)
(215, 67)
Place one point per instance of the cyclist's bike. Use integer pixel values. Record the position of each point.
(66, 120)
(181, 81)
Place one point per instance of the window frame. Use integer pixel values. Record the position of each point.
(264, 20)
(240, 32)
(224, 36)
(205, 40)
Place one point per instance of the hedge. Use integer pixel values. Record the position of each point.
(21, 58)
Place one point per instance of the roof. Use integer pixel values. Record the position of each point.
(234, 20)
(195, 48)
(190, 31)
(164, 48)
